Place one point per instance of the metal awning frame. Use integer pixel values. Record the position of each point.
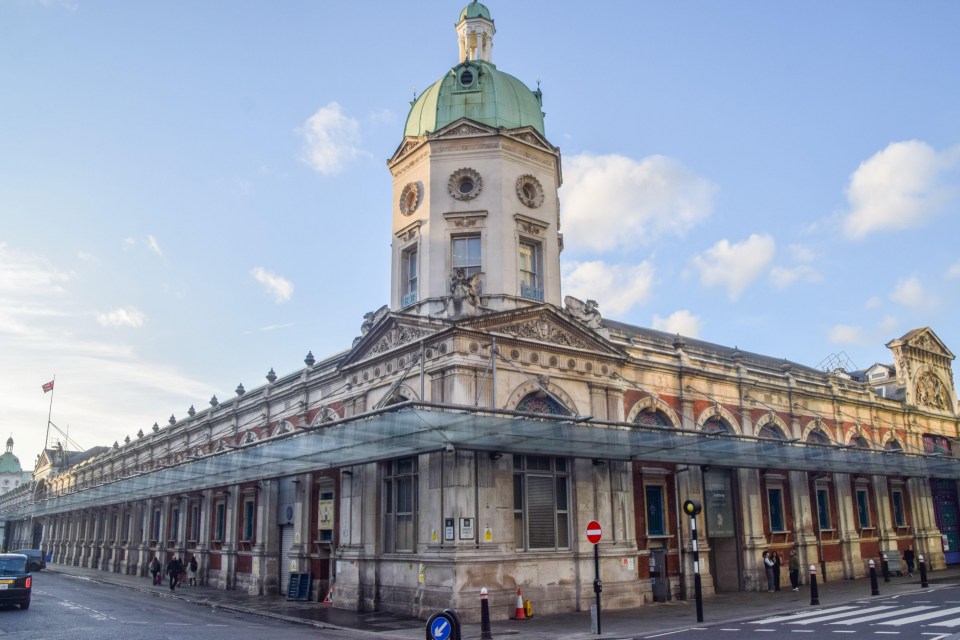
(412, 428)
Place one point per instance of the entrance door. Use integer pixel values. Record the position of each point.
(286, 544)
(946, 512)
(720, 509)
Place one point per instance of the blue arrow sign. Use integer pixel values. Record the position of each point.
(440, 629)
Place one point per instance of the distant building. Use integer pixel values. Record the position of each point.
(480, 421)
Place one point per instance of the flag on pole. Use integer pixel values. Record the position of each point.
(48, 386)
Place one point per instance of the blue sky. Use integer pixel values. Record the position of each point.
(192, 193)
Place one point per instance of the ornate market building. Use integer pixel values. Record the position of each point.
(479, 422)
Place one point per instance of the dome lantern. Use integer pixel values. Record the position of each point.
(475, 32)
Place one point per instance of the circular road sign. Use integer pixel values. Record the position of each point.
(440, 628)
(594, 531)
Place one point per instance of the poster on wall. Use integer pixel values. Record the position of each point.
(719, 504)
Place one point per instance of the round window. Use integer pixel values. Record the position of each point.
(529, 191)
(466, 78)
(464, 184)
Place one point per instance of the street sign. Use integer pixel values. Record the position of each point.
(594, 531)
(440, 628)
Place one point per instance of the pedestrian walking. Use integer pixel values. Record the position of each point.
(794, 566)
(155, 570)
(908, 558)
(174, 567)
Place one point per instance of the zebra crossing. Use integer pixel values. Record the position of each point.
(881, 619)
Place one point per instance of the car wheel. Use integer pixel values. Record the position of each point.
(25, 604)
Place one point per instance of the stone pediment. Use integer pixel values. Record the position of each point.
(463, 127)
(926, 340)
(547, 325)
(392, 332)
(532, 137)
(406, 147)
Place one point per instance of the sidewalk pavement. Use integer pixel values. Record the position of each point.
(647, 620)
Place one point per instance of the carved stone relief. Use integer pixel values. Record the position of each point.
(396, 337)
(930, 392)
(543, 330)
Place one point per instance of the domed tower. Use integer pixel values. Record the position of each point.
(11, 473)
(476, 212)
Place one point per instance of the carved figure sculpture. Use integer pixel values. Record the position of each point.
(585, 312)
(462, 287)
(371, 318)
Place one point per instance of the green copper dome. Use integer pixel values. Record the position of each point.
(478, 91)
(475, 10)
(9, 463)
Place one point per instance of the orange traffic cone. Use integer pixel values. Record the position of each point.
(519, 614)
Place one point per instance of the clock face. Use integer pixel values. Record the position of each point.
(410, 198)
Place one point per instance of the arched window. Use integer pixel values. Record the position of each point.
(771, 431)
(859, 442)
(652, 418)
(716, 425)
(539, 402)
(817, 437)
(892, 445)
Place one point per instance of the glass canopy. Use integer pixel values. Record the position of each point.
(413, 428)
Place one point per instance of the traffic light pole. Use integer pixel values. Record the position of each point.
(696, 568)
(692, 508)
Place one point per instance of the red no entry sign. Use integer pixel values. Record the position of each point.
(594, 531)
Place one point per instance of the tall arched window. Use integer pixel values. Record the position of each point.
(892, 445)
(817, 437)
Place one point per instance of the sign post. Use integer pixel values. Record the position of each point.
(692, 508)
(594, 532)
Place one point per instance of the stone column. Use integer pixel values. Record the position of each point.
(804, 512)
(925, 523)
(851, 565)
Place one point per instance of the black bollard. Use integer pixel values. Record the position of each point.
(874, 587)
(814, 593)
(484, 616)
(923, 572)
(885, 567)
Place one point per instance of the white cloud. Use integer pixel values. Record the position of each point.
(129, 243)
(122, 317)
(847, 334)
(25, 274)
(153, 245)
(900, 187)
(954, 271)
(331, 139)
(735, 266)
(783, 277)
(617, 288)
(910, 292)
(682, 322)
(612, 201)
(277, 286)
(86, 257)
(873, 302)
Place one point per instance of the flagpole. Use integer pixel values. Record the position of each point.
(46, 442)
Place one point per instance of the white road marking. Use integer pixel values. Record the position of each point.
(845, 614)
(923, 616)
(880, 616)
(797, 616)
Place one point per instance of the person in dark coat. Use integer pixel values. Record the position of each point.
(155, 570)
(908, 558)
(174, 567)
(777, 562)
